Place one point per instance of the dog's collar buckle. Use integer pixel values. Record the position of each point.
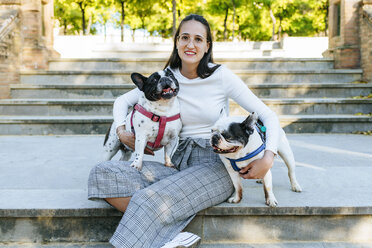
(155, 118)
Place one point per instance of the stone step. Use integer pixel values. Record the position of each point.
(48, 203)
(59, 125)
(112, 53)
(151, 47)
(153, 64)
(248, 76)
(203, 245)
(81, 107)
(68, 91)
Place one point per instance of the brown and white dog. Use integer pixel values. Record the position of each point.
(239, 143)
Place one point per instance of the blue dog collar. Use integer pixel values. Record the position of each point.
(261, 130)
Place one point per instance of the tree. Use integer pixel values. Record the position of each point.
(121, 3)
(83, 5)
(68, 16)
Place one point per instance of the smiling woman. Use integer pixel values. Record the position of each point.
(162, 205)
(192, 49)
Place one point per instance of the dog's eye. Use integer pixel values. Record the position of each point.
(227, 136)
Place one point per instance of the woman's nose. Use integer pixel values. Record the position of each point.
(191, 44)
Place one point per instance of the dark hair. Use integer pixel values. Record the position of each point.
(203, 69)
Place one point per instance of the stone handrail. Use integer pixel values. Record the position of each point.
(11, 19)
(367, 14)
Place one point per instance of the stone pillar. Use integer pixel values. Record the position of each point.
(34, 52)
(344, 43)
(365, 21)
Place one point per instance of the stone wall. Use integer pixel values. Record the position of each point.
(29, 45)
(366, 39)
(343, 33)
(10, 46)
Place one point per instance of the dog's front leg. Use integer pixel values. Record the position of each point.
(268, 189)
(139, 152)
(236, 197)
(169, 150)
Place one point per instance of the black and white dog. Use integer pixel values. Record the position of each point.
(155, 119)
(238, 144)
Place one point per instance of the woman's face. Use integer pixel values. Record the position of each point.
(192, 43)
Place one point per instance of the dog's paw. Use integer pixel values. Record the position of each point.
(234, 199)
(169, 164)
(271, 202)
(296, 187)
(138, 166)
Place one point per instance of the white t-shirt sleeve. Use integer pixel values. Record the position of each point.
(237, 90)
(121, 105)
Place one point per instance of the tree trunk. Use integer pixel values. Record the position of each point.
(82, 17)
(225, 24)
(274, 22)
(89, 24)
(122, 22)
(233, 28)
(174, 10)
(133, 32)
(105, 33)
(280, 29)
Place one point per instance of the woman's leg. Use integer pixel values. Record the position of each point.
(120, 203)
(116, 181)
(156, 214)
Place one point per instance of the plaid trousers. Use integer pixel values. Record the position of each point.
(164, 200)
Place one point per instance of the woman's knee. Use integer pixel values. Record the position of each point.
(154, 203)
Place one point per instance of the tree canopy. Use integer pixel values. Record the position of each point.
(229, 19)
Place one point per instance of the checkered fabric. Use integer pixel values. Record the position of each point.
(164, 200)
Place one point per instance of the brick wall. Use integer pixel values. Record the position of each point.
(344, 44)
(366, 39)
(10, 57)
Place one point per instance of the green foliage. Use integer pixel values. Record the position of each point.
(252, 20)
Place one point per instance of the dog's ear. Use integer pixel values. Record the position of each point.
(249, 122)
(138, 80)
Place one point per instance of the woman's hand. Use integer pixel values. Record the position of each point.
(258, 168)
(129, 139)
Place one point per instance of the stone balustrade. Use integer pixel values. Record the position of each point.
(9, 50)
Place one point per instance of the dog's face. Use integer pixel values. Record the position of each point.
(229, 137)
(160, 85)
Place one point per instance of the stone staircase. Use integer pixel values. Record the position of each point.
(43, 178)
(75, 96)
(43, 190)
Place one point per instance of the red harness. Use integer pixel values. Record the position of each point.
(156, 118)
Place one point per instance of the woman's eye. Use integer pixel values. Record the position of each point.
(199, 40)
(185, 38)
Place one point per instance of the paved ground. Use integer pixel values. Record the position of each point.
(49, 172)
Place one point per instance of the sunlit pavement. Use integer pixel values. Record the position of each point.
(333, 170)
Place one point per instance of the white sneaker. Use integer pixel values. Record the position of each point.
(184, 240)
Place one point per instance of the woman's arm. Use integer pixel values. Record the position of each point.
(122, 104)
(120, 112)
(240, 93)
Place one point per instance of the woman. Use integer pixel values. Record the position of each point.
(159, 201)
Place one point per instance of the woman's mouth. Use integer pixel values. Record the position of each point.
(190, 53)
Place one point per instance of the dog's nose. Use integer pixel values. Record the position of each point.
(215, 139)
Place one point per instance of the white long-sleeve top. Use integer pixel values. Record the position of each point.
(203, 100)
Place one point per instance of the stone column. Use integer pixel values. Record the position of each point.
(34, 52)
(365, 21)
(344, 43)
